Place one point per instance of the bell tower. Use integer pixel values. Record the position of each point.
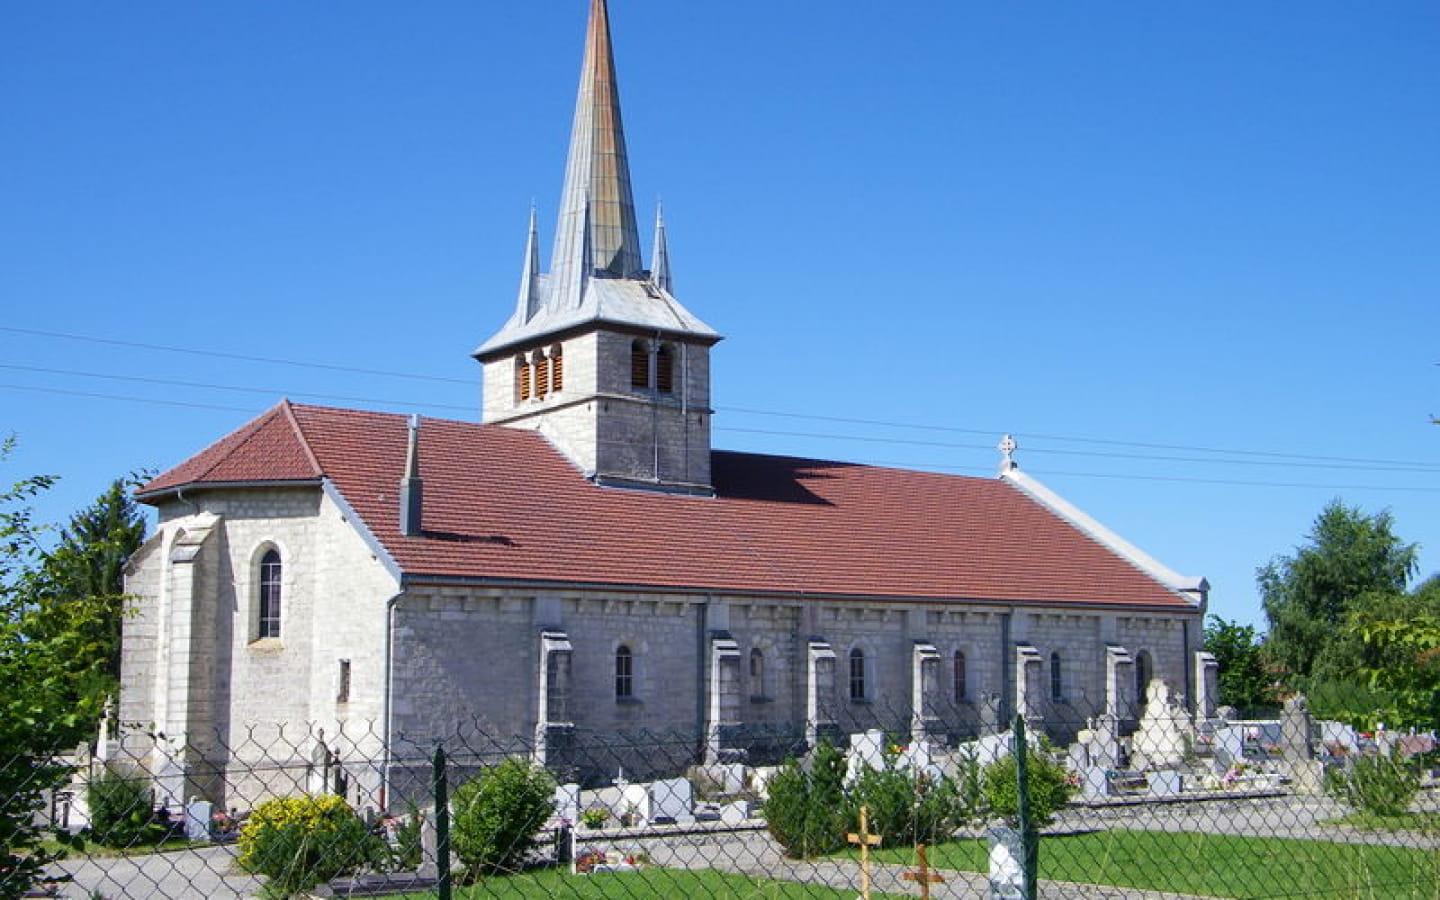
(599, 356)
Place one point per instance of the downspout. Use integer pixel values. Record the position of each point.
(1185, 660)
(702, 631)
(1007, 657)
(387, 726)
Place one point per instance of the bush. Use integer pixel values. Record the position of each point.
(1379, 785)
(907, 807)
(497, 815)
(122, 809)
(806, 810)
(1048, 780)
(298, 842)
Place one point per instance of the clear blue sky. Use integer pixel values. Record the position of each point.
(1202, 225)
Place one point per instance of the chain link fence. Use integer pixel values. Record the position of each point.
(879, 805)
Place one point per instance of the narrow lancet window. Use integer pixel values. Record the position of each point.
(624, 673)
(857, 674)
(962, 687)
(1057, 679)
(270, 576)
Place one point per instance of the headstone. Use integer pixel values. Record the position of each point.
(1160, 741)
(567, 802)
(1164, 783)
(1207, 688)
(429, 848)
(1305, 773)
(1228, 747)
(867, 750)
(1007, 864)
(671, 800)
(1338, 736)
(197, 819)
(1095, 783)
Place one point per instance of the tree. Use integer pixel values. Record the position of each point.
(76, 599)
(33, 710)
(1308, 596)
(1239, 651)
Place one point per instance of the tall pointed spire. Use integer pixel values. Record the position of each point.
(660, 255)
(596, 206)
(528, 303)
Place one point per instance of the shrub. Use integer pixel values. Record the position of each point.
(1049, 787)
(497, 815)
(806, 810)
(121, 809)
(906, 806)
(1379, 785)
(298, 842)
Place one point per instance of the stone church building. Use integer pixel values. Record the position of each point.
(583, 563)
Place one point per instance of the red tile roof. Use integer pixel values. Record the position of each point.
(501, 503)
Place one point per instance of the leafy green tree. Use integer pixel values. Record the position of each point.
(1239, 651)
(76, 598)
(1308, 596)
(34, 714)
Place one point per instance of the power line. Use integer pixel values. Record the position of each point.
(238, 356)
(47, 390)
(171, 382)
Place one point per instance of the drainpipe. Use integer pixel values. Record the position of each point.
(386, 725)
(1007, 657)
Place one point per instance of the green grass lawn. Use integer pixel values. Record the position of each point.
(669, 883)
(1216, 865)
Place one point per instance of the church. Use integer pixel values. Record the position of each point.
(582, 563)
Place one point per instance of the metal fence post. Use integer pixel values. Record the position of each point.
(1028, 838)
(442, 825)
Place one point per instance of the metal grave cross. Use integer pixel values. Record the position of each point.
(925, 875)
(865, 840)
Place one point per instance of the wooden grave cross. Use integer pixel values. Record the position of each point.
(925, 875)
(866, 840)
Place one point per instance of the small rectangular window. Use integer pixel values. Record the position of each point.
(342, 693)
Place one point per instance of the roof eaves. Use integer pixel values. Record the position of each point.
(731, 590)
(153, 497)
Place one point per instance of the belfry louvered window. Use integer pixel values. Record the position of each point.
(639, 365)
(270, 577)
(557, 368)
(665, 369)
(522, 378)
(542, 374)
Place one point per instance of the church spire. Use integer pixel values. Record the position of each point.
(660, 255)
(528, 303)
(596, 206)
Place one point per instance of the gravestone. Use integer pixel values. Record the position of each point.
(1339, 736)
(1306, 775)
(197, 819)
(1228, 747)
(867, 750)
(1007, 864)
(671, 801)
(1164, 783)
(990, 714)
(567, 802)
(1160, 741)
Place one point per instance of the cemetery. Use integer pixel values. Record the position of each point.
(1234, 785)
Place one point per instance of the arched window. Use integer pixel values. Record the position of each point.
(857, 674)
(624, 673)
(757, 672)
(665, 370)
(639, 365)
(962, 687)
(1057, 679)
(557, 368)
(270, 574)
(542, 374)
(522, 378)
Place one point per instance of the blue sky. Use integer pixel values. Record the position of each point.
(1129, 233)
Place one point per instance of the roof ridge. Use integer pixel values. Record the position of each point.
(289, 411)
